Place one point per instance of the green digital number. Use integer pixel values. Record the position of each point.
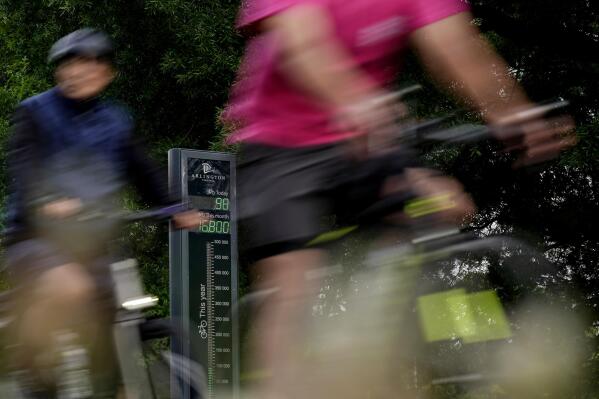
(221, 204)
(218, 226)
(204, 228)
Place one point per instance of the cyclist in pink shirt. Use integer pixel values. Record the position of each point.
(313, 85)
(360, 41)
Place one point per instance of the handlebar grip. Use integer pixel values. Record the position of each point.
(158, 214)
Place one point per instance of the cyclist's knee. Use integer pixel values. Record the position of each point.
(67, 286)
(288, 271)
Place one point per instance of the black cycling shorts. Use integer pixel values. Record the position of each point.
(288, 196)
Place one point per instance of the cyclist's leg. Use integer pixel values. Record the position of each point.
(277, 328)
(287, 189)
(53, 295)
(60, 298)
(281, 211)
(99, 332)
(276, 331)
(383, 315)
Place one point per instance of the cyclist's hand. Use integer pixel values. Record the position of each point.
(537, 139)
(190, 219)
(62, 208)
(441, 197)
(373, 119)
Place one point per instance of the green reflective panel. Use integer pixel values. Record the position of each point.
(462, 316)
(488, 316)
(436, 318)
(455, 314)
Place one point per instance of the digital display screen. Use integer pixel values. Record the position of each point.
(219, 223)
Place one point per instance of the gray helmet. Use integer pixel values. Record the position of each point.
(83, 42)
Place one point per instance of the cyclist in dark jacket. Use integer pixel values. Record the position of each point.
(70, 152)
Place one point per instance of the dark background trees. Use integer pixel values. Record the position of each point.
(177, 60)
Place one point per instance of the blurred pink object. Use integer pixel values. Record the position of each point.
(267, 108)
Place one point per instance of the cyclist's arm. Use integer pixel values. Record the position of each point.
(23, 156)
(313, 59)
(147, 177)
(152, 184)
(453, 50)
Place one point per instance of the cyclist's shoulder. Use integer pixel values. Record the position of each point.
(24, 118)
(37, 100)
(117, 111)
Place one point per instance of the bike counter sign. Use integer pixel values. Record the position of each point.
(203, 268)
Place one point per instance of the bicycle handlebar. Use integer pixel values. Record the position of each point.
(430, 131)
(157, 214)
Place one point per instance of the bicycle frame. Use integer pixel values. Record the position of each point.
(126, 329)
(404, 265)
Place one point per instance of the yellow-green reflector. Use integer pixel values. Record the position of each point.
(455, 314)
(331, 236)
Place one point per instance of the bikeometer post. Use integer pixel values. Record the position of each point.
(203, 267)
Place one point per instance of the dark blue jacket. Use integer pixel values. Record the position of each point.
(91, 126)
(46, 125)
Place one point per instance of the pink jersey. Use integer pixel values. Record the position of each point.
(268, 109)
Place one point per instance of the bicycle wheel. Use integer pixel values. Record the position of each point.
(492, 315)
(468, 315)
(172, 375)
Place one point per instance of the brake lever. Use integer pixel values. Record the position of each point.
(532, 113)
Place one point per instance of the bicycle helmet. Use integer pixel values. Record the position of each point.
(82, 42)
